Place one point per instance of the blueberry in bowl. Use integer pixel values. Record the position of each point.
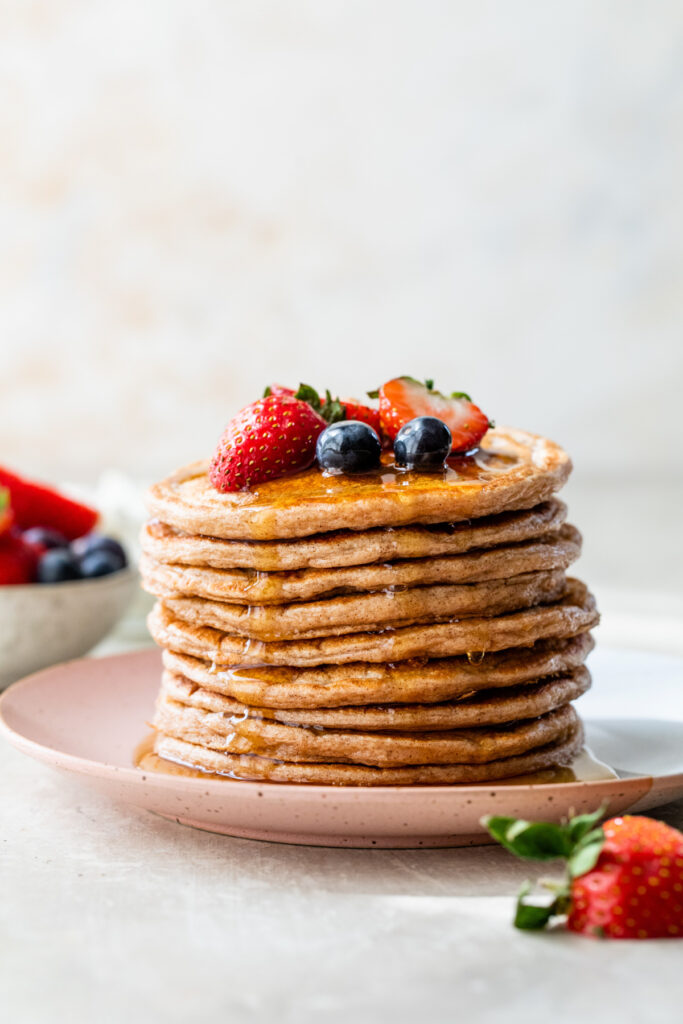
(98, 555)
(63, 586)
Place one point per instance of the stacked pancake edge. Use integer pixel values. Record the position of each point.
(370, 634)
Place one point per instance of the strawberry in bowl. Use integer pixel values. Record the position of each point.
(63, 586)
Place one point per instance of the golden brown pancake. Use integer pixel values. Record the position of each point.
(414, 681)
(511, 470)
(163, 543)
(574, 613)
(243, 586)
(239, 735)
(342, 616)
(488, 707)
(245, 766)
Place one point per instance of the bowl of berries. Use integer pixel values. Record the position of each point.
(63, 585)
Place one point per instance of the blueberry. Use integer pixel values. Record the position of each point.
(58, 565)
(93, 542)
(424, 444)
(100, 562)
(348, 447)
(41, 536)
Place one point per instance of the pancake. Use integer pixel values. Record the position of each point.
(356, 683)
(574, 613)
(486, 708)
(248, 587)
(357, 613)
(561, 752)
(512, 470)
(380, 749)
(162, 543)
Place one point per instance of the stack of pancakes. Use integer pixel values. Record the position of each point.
(382, 629)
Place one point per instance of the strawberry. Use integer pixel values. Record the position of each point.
(354, 410)
(333, 410)
(38, 505)
(624, 879)
(404, 398)
(269, 438)
(17, 560)
(278, 389)
(6, 513)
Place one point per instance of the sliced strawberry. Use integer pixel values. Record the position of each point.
(268, 439)
(404, 398)
(38, 505)
(17, 560)
(6, 513)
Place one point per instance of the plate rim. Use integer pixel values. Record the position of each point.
(247, 787)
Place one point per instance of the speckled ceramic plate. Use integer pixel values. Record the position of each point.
(89, 717)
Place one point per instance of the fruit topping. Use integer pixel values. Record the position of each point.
(624, 879)
(17, 560)
(349, 447)
(332, 410)
(404, 398)
(35, 504)
(423, 444)
(278, 389)
(354, 410)
(271, 437)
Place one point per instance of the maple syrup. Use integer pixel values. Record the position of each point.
(480, 466)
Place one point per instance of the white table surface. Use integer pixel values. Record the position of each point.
(109, 914)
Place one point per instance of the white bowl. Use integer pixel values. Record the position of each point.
(45, 623)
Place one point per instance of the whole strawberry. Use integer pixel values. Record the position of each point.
(624, 879)
(635, 890)
(332, 410)
(268, 439)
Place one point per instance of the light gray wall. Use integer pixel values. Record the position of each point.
(198, 198)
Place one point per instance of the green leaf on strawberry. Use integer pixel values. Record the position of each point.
(331, 409)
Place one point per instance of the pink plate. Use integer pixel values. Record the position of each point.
(89, 716)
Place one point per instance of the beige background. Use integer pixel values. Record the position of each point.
(199, 198)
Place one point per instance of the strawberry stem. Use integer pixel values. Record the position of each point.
(577, 841)
(331, 410)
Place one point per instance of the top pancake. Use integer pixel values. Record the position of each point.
(512, 470)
